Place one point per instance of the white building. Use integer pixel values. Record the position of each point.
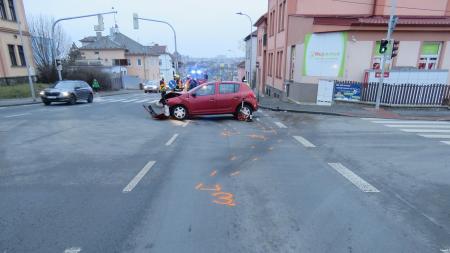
(166, 66)
(251, 62)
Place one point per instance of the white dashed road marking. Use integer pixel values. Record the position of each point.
(280, 125)
(304, 142)
(72, 250)
(446, 142)
(16, 115)
(426, 130)
(419, 126)
(185, 124)
(436, 136)
(410, 122)
(352, 177)
(169, 142)
(138, 177)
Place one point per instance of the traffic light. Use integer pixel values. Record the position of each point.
(383, 46)
(135, 21)
(395, 47)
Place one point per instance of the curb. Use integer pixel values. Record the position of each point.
(348, 115)
(307, 112)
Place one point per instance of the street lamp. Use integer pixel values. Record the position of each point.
(136, 26)
(69, 18)
(250, 76)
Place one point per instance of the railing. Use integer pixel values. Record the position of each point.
(407, 94)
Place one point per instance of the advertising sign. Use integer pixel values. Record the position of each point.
(324, 54)
(347, 91)
(325, 92)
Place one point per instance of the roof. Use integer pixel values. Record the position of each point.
(261, 19)
(121, 41)
(383, 21)
(254, 34)
(102, 43)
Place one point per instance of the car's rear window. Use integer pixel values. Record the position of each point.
(228, 88)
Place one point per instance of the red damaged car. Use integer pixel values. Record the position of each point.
(214, 98)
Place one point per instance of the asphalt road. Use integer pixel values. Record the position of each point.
(104, 177)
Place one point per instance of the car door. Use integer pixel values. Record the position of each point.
(78, 90)
(203, 100)
(228, 97)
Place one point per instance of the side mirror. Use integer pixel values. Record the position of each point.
(194, 95)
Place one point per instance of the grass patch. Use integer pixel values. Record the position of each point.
(20, 90)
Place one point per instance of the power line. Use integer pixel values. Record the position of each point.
(384, 5)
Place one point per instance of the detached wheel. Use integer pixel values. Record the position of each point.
(90, 98)
(179, 112)
(73, 100)
(243, 113)
(47, 103)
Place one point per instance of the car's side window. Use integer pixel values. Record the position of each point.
(206, 90)
(228, 88)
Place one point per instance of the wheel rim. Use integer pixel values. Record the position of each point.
(244, 113)
(179, 112)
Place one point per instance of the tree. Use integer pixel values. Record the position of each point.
(41, 28)
(74, 54)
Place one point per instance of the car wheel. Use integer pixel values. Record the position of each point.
(145, 91)
(179, 112)
(73, 100)
(243, 113)
(90, 98)
(47, 103)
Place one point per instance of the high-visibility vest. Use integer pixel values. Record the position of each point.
(162, 86)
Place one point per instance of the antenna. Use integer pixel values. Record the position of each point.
(115, 20)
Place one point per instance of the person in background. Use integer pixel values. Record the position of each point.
(187, 83)
(162, 87)
(95, 85)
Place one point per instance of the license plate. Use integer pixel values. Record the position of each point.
(51, 97)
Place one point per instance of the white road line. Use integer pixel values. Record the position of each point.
(118, 100)
(446, 142)
(304, 142)
(16, 115)
(129, 101)
(426, 130)
(138, 177)
(185, 124)
(279, 124)
(374, 119)
(419, 126)
(169, 142)
(411, 122)
(141, 101)
(436, 136)
(72, 250)
(352, 177)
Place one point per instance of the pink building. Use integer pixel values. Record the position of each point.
(241, 71)
(303, 41)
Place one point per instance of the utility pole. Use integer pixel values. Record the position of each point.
(58, 61)
(391, 27)
(27, 64)
(250, 76)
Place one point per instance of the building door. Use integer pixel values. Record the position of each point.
(292, 63)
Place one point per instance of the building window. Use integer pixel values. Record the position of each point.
(429, 55)
(270, 68)
(96, 52)
(272, 17)
(278, 64)
(2, 9)
(139, 62)
(12, 10)
(12, 55)
(281, 14)
(21, 55)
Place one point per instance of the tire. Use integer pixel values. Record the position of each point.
(73, 100)
(145, 91)
(47, 102)
(90, 98)
(243, 113)
(179, 112)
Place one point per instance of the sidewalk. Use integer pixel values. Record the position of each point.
(357, 110)
(29, 101)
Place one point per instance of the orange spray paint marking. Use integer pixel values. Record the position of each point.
(198, 186)
(216, 188)
(258, 137)
(224, 198)
(213, 173)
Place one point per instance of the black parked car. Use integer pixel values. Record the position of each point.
(69, 92)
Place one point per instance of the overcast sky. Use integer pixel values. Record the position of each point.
(205, 28)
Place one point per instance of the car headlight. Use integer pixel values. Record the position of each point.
(42, 93)
(65, 94)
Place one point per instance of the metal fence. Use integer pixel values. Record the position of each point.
(407, 94)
